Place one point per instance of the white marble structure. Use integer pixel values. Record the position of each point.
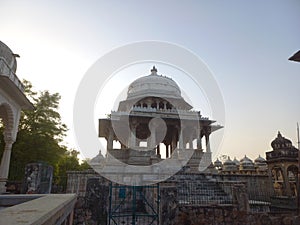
(155, 118)
(12, 101)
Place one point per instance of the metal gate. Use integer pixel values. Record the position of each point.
(133, 205)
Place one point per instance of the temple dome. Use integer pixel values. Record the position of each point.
(246, 164)
(261, 164)
(218, 163)
(157, 87)
(229, 165)
(246, 160)
(229, 161)
(9, 58)
(154, 85)
(259, 159)
(237, 162)
(281, 142)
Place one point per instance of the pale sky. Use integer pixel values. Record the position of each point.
(246, 45)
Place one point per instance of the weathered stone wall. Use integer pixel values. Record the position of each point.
(77, 181)
(168, 204)
(259, 187)
(94, 195)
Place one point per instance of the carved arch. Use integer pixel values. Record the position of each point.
(278, 180)
(7, 116)
(292, 172)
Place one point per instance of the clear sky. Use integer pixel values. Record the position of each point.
(246, 44)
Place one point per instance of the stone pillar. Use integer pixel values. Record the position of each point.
(287, 188)
(152, 136)
(110, 140)
(137, 142)
(168, 204)
(158, 149)
(5, 161)
(191, 144)
(167, 151)
(173, 143)
(199, 143)
(132, 137)
(181, 139)
(148, 102)
(207, 142)
(240, 197)
(165, 105)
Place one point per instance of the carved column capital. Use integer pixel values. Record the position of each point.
(9, 138)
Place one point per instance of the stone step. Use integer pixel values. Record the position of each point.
(195, 189)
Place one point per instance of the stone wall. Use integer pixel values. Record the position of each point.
(259, 186)
(195, 215)
(185, 199)
(168, 204)
(77, 181)
(92, 197)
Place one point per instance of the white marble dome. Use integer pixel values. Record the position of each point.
(218, 163)
(9, 58)
(154, 89)
(260, 159)
(154, 85)
(237, 162)
(229, 165)
(246, 164)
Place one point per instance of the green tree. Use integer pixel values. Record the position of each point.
(41, 132)
(69, 162)
(39, 139)
(84, 165)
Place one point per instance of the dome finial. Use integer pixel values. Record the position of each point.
(153, 71)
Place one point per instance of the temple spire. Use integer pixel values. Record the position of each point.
(154, 71)
(279, 134)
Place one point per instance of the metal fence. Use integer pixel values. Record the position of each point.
(212, 192)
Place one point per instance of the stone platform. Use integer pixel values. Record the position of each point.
(43, 209)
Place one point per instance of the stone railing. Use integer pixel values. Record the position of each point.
(164, 113)
(39, 209)
(5, 70)
(174, 111)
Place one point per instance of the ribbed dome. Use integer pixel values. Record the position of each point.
(229, 161)
(8, 56)
(281, 142)
(218, 163)
(154, 85)
(261, 164)
(237, 162)
(246, 164)
(259, 159)
(97, 159)
(245, 160)
(154, 89)
(229, 165)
